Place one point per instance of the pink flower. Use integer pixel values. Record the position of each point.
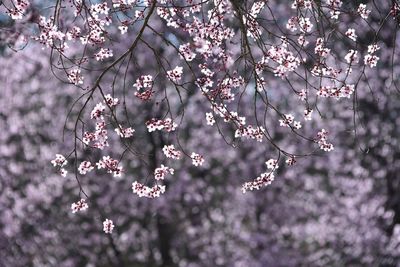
(197, 160)
(81, 205)
(171, 152)
(108, 226)
(175, 75)
(85, 167)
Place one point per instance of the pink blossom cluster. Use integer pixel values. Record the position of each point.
(175, 75)
(371, 59)
(197, 160)
(60, 161)
(144, 86)
(85, 167)
(264, 179)
(108, 226)
(19, 9)
(337, 92)
(75, 77)
(159, 124)
(81, 205)
(288, 121)
(103, 53)
(170, 152)
(124, 132)
(285, 59)
(110, 165)
(322, 140)
(162, 171)
(363, 11)
(150, 192)
(252, 132)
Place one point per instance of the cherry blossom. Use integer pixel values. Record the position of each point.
(264, 179)
(197, 160)
(244, 64)
(170, 152)
(159, 173)
(104, 53)
(210, 118)
(81, 205)
(124, 132)
(75, 77)
(111, 165)
(186, 52)
(272, 164)
(175, 75)
(322, 141)
(370, 59)
(59, 161)
(19, 9)
(85, 167)
(149, 192)
(108, 226)
(351, 57)
(363, 11)
(155, 124)
(351, 33)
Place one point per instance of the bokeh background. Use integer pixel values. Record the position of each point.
(333, 209)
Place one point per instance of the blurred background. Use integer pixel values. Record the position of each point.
(333, 209)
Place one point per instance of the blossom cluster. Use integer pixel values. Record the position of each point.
(322, 140)
(60, 161)
(108, 226)
(81, 205)
(111, 165)
(19, 9)
(371, 59)
(158, 124)
(124, 132)
(171, 152)
(162, 171)
(338, 92)
(150, 192)
(288, 121)
(144, 85)
(197, 160)
(264, 179)
(85, 167)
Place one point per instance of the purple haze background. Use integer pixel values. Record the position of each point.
(335, 209)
